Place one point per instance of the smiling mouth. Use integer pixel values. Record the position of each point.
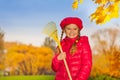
(71, 34)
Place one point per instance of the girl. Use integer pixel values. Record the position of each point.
(76, 51)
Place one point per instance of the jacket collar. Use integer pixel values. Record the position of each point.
(70, 40)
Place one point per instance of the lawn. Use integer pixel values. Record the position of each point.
(44, 77)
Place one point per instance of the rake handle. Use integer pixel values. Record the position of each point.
(67, 69)
(66, 66)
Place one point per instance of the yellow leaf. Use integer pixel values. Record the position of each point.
(107, 18)
(75, 4)
(81, 1)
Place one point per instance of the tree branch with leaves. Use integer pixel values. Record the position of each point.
(105, 11)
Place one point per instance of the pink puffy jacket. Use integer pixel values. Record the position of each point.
(79, 64)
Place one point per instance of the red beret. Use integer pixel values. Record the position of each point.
(71, 20)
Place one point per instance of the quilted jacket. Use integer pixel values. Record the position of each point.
(79, 64)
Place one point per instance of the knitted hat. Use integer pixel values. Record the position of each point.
(71, 20)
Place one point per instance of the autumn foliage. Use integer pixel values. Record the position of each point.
(23, 59)
(105, 11)
(1, 48)
(106, 53)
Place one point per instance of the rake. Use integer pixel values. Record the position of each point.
(51, 30)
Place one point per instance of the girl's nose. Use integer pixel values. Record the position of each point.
(72, 30)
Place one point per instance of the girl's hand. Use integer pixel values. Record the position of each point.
(61, 56)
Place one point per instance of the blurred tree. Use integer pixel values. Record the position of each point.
(49, 43)
(1, 41)
(105, 39)
(114, 62)
(106, 52)
(1, 49)
(28, 60)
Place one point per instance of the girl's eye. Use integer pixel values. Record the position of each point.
(75, 28)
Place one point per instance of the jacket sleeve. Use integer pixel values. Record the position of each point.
(55, 63)
(86, 60)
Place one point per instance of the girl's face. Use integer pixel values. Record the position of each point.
(71, 30)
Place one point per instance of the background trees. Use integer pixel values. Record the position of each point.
(1, 41)
(49, 43)
(21, 59)
(28, 60)
(106, 52)
(1, 49)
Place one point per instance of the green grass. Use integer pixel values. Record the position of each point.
(44, 77)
